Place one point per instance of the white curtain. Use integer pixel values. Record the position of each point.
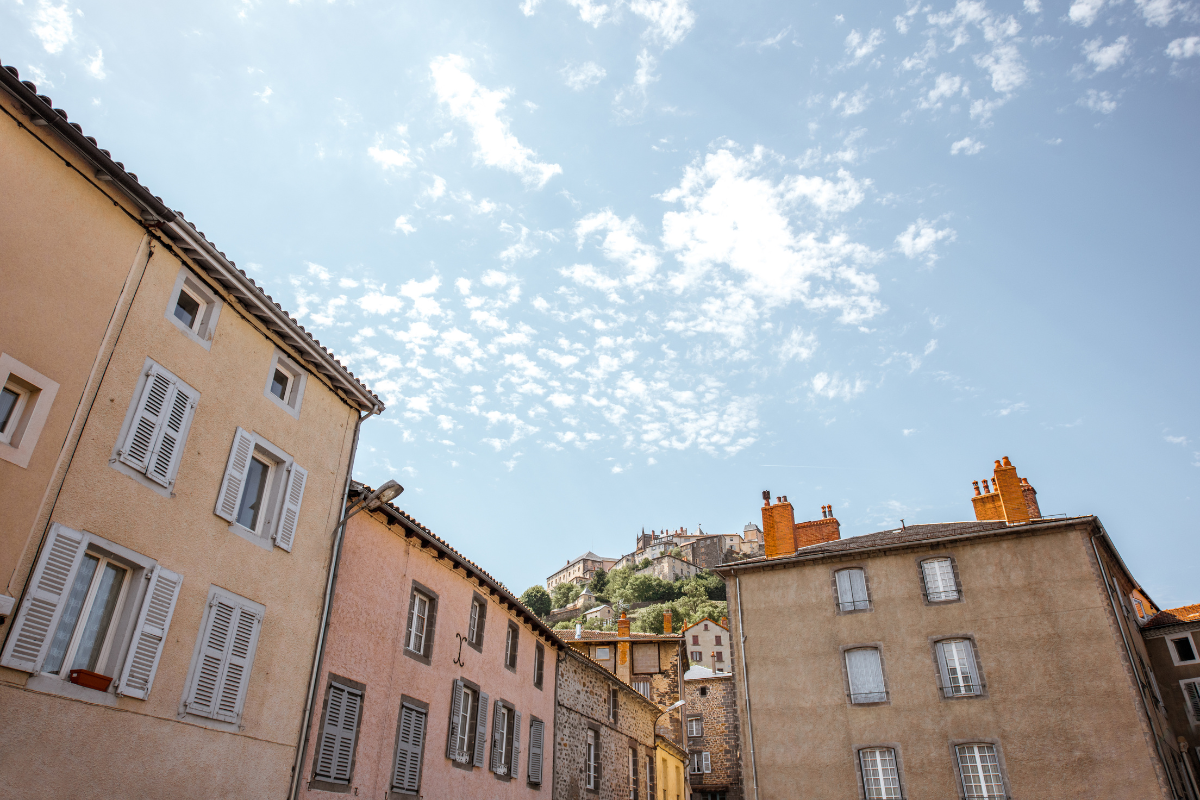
(866, 675)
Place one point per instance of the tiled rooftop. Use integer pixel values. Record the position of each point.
(1174, 616)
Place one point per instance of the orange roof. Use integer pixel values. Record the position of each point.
(1175, 616)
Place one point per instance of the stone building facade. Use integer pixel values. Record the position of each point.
(714, 743)
(1172, 638)
(604, 742)
(580, 570)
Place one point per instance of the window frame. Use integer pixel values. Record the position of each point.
(995, 744)
(592, 759)
(539, 665)
(633, 773)
(853, 605)
(958, 584)
(421, 707)
(204, 328)
(512, 646)
(699, 720)
(249, 606)
(114, 628)
(477, 625)
(150, 370)
(894, 747)
(529, 781)
(614, 700)
(325, 784)
(1192, 711)
(298, 380)
(980, 680)
(281, 466)
(1175, 659)
(844, 651)
(425, 655)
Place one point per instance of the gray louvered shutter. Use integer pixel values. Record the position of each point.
(339, 734)
(943, 669)
(163, 463)
(483, 607)
(515, 767)
(234, 480)
(42, 606)
(285, 533)
(430, 628)
(1193, 697)
(149, 634)
(226, 654)
(497, 731)
(152, 409)
(537, 732)
(406, 776)
(481, 747)
(456, 694)
(237, 669)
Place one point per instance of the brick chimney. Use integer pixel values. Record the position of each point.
(825, 529)
(623, 626)
(624, 667)
(667, 621)
(779, 520)
(725, 622)
(1009, 498)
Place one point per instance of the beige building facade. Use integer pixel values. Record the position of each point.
(181, 459)
(707, 644)
(580, 570)
(1172, 638)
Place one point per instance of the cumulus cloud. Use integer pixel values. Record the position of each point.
(670, 20)
(480, 109)
(920, 239)
(95, 65)
(1085, 12)
(402, 224)
(388, 158)
(53, 27)
(859, 46)
(835, 387)
(944, 86)
(1006, 67)
(580, 76)
(1158, 13)
(1100, 102)
(621, 242)
(851, 104)
(1105, 57)
(1184, 48)
(967, 146)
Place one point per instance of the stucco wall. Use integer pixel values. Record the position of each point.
(706, 644)
(1058, 696)
(365, 644)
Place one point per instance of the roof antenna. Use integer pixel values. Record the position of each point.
(902, 524)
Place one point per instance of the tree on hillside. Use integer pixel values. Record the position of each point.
(617, 580)
(537, 600)
(599, 582)
(695, 605)
(650, 618)
(647, 588)
(714, 585)
(677, 552)
(565, 593)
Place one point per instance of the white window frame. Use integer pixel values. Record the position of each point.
(950, 662)
(414, 637)
(592, 760)
(204, 326)
(877, 783)
(255, 612)
(473, 625)
(977, 771)
(470, 700)
(278, 520)
(36, 395)
(943, 595)
(1190, 636)
(868, 695)
(121, 459)
(847, 594)
(298, 380)
(85, 609)
(695, 727)
(603, 653)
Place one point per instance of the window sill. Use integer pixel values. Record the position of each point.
(208, 722)
(250, 536)
(140, 477)
(415, 656)
(327, 786)
(51, 684)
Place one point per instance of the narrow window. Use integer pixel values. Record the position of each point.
(956, 660)
(539, 664)
(696, 766)
(651, 780)
(695, 640)
(939, 579)
(252, 497)
(334, 759)
(416, 630)
(504, 734)
(879, 774)
(980, 772)
(410, 743)
(852, 590)
(866, 675)
(612, 704)
(706, 761)
(717, 641)
(188, 309)
(537, 732)
(473, 625)
(464, 725)
(510, 646)
(694, 727)
(720, 655)
(593, 761)
(633, 774)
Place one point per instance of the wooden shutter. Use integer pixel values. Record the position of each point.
(1193, 698)
(226, 653)
(537, 732)
(497, 731)
(285, 533)
(845, 593)
(456, 696)
(339, 733)
(645, 658)
(164, 458)
(406, 776)
(147, 419)
(150, 633)
(515, 767)
(430, 627)
(707, 761)
(481, 730)
(237, 670)
(235, 475)
(42, 606)
(483, 607)
(539, 664)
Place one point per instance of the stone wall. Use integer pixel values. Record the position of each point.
(713, 699)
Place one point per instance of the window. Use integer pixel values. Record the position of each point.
(717, 640)
(651, 780)
(410, 746)
(510, 647)
(1138, 607)
(78, 611)
(720, 655)
(1183, 649)
(537, 734)
(539, 664)
(956, 662)
(695, 727)
(334, 759)
(697, 656)
(880, 778)
(938, 575)
(506, 744)
(865, 671)
(261, 492)
(612, 704)
(285, 384)
(602, 654)
(706, 626)
(852, 590)
(477, 622)
(633, 774)
(592, 760)
(642, 687)
(704, 691)
(422, 613)
(156, 426)
(466, 740)
(1191, 694)
(194, 308)
(224, 656)
(980, 770)
(701, 763)
(695, 640)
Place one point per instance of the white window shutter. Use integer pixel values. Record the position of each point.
(858, 586)
(285, 534)
(516, 745)
(149, 634)
(845, 593)
(235, 475)
(481, 730)
(497, 732)
(943, 668)
(456, 696)
(226, 654)
(237, 670)
(42, 606)
(406, 775)
(172, 433)
(537, 732)
(707, 762)
(152, 409)
(338, 734)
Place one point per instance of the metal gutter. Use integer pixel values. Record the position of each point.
(746, 684)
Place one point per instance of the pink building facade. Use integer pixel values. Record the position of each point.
(435, 682)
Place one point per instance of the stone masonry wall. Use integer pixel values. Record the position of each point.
(582, 691)
(719, 737)
(664, 689)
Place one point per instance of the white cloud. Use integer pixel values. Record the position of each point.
(594, 14)
(580, 76)
(859, 47)
(773, 41)
(1176, 439)
(622, 243)
(377, 302)
(264, 95)
(631, 99)
(799, 346)
(1184, 48)
(1033, 6)
(670, 20)
(1011, 408)
(1106, 57)
(851, 104)
(95, 65)
(1158, 13)
(438, 188)
(529, 6)
(908, 431)
(920, 239)
(53, 26)
(1084, 12)
(388, 158)
(945, 86)
(480, 108)
(967, 146)
(1005, 66)
(420, 292)
(402, 224)
(835, 387)
(1101, 102)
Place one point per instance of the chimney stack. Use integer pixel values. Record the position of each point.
(623, 626)
(578, 630)
(1009, 498)
(667, 621)
(779, 520)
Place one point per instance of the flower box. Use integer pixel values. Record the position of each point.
(92, 680)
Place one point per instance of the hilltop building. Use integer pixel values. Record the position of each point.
(581, 570)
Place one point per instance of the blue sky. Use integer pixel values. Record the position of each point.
(626, 264)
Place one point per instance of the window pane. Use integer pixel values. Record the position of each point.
(420, 612)
(473, 627)
(980, 771)
(939, 579)
(879, 773)
(959, 667)
(866, 676)
(95, 630)
(8, 401)
(187, 308)
(1184, 648)
(852, 590)
(70, 614)
(279, 384)
(256, 485)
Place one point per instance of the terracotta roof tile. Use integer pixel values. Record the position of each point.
(1174, 616)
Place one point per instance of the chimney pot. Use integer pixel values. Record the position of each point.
(977, 493)
(997, 463)
(667, 621)
(1007, 463)
(578, 630)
